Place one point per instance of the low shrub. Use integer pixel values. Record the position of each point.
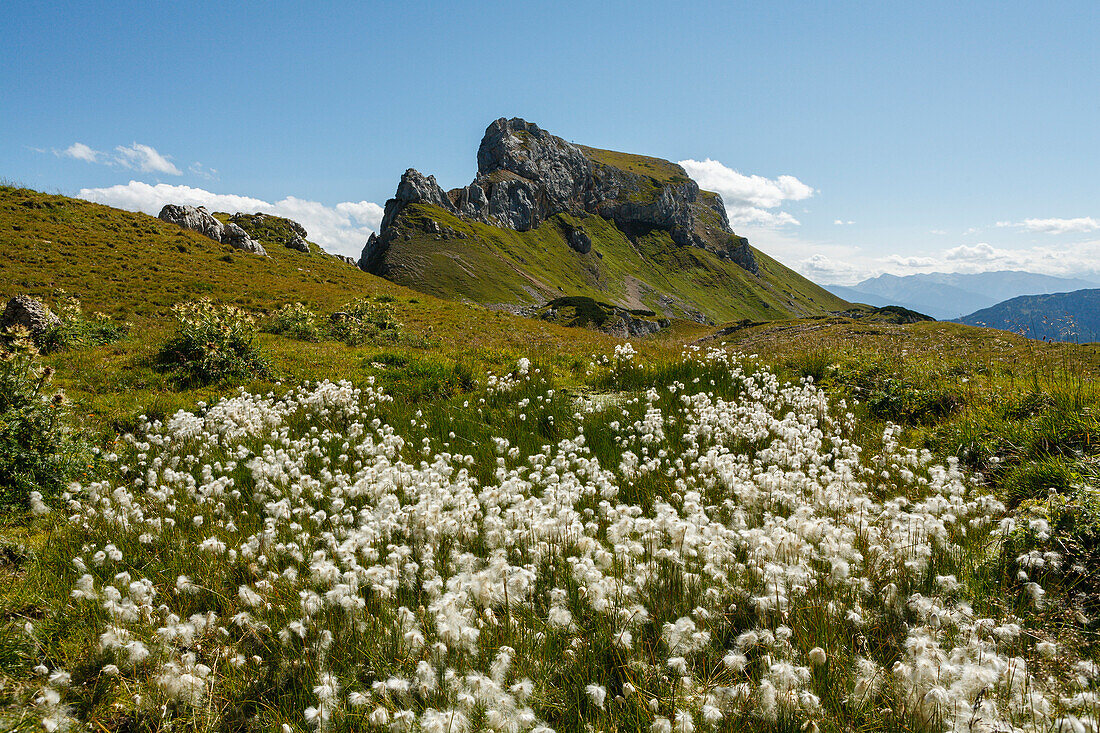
(816, 363)
(364, 321)
(214, 342)
(39, 452)
(899, 401)
(296, 321)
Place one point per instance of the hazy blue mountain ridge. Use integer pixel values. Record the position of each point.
(1071, 316)
(948, 296)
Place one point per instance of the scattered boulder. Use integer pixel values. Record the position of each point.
(198, 219)
(29, 313)
(298, 243)
(348, 260)
(578, 239)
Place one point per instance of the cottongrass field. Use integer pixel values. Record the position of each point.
(698, 548)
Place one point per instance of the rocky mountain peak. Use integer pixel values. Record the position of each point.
(526, 175)
(528, 151)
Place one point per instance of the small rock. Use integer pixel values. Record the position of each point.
(298, 243)
(28, 312)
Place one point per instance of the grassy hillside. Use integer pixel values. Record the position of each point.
(487, 264)
(136, 266)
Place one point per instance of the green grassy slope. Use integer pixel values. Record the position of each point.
(136, 266)
(493, 265)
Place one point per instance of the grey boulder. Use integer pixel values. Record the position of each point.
(29, 313)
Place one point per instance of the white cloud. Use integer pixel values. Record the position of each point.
(841, 222)
(1061, 226)
(140, 157)
(340, 229)
(824, 269)
(741, 216)
(980, 252)
(749, 198)
(145, 158)
(825, 261)
(912, 262)
(80, 151)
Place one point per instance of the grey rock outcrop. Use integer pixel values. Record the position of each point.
(28, 313)
(238, 238)
(198, 219)
(526, 175)
(298, 243)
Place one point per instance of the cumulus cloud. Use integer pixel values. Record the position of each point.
(913, 262)
(825, 261)
(1056, 226)
(822, 268)
(980, 252)
(341, 229)
(750, 199)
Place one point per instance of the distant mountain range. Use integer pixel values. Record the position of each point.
(1056, 317)
(948, 296)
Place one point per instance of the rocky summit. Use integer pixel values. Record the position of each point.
(526, 175)
(545, 218)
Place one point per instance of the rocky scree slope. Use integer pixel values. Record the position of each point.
(545, 217)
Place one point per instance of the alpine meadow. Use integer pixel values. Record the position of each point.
(580, 446)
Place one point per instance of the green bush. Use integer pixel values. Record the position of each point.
(214, 342)
(296, 321)
(73, 330)
(39, 453)
(817, 363)
(363, 321)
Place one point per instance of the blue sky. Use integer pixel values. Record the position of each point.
(941, 136)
